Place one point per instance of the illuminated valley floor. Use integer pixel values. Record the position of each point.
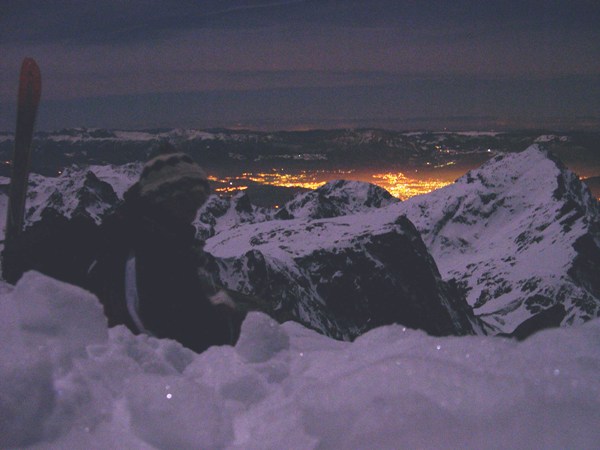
(399, 184)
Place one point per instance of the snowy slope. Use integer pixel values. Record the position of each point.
(508, 232)
(66, 381)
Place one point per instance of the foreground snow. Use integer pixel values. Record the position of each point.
(66, 381)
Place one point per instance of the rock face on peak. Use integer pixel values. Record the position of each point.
(520, 235)
(343, 275)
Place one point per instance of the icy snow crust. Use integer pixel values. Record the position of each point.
(506, 231)
(66, 381)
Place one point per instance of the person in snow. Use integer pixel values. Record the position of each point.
(147, 273)
(143, 262)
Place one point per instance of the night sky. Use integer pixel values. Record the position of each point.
(458, 64)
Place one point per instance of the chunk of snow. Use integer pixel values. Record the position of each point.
(26, 383)
(261, 338)
(58, 316)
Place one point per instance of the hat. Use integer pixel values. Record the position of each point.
(169, 172)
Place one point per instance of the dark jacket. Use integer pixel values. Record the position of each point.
(165, 258)
(55, 246)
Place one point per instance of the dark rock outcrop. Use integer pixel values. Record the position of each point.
(343, 276)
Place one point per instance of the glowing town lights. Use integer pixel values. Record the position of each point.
(301, 180)
(304, 179)
(399, 185)
(230, 189)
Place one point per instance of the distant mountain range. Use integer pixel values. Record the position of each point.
(233, 150)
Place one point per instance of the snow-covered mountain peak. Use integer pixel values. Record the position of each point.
(507, 231)
(334, 199)
(219, 214)
(75, 192)
(530, 174)
(337, 198)
(120, 177)
(85, 191)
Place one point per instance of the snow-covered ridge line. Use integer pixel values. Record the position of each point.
(138, 136)
(359, 136)
(92, 191)
(83, 135)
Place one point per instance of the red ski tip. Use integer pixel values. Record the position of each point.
(30, 83)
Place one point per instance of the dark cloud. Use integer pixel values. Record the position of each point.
(120, 21)
(401, 103)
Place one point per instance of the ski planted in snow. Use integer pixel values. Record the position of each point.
(30, 89)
